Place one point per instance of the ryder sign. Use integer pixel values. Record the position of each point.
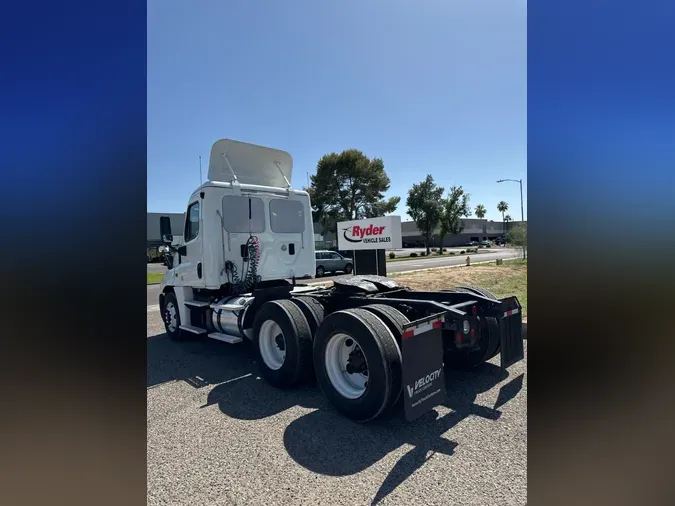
(373, 233)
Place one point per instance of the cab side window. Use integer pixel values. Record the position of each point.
(192, 222)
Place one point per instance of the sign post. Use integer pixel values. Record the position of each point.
(369, 239)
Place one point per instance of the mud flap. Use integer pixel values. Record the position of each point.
(423, 378)
(511, 332)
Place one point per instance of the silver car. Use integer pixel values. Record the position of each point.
(330, 261)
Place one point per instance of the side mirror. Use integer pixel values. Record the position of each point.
(165, 229)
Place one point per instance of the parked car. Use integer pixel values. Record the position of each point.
(486, 244)
(472, 244)
(330, 261)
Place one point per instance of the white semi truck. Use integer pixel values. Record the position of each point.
(371, 344)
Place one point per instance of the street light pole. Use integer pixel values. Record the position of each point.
(522, 212)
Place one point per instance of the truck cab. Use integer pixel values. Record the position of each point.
(248, 195)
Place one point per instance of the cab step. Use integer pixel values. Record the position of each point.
(193, 329)
(226, 338)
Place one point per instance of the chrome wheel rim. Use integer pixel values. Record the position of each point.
(171, 317)
(272, 345)
(337, 356)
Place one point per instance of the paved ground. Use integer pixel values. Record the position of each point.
(219, 435)
(392, 267)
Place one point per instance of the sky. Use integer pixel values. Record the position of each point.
(436, 87)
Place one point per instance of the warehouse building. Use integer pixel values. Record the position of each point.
(474, 230)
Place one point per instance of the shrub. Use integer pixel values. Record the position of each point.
(452, 252)
(489, 245)
(444, 250)
(392, 254)
(435, 250)
(424, 253)
(462, 252)
(413, 254)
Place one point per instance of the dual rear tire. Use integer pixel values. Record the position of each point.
(354, 355)
(358, 363)
(282, 343)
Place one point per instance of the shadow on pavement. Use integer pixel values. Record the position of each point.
(200, 362)
(323, 441)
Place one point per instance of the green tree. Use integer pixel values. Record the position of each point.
(518, 237)
(507, 219)
(502, 207)
(454, 207)
(349, 186)
(424, 206)
(480, 211)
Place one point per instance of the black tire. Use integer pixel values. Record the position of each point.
(313, 311)
(395, 320)
(173, 327)
(349, 268)
(382, 355)
(391, 317)
(297, 337)
(480, 291)
(320, 271)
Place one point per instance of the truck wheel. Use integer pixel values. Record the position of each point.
(395, 320)
(349, 268)
(319, 271)
(282, 343)
(313, 311)
(171, 318)
(357, 363)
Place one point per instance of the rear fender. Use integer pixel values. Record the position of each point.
(423, 375)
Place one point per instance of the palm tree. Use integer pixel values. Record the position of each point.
(502, 207)
(507, 219)
(480, 211)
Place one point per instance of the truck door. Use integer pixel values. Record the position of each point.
(190, 269)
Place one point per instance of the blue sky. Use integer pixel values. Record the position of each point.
(435, 87)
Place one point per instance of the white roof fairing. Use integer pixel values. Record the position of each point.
(252, 164)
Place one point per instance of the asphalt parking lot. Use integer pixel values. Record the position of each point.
(219, 435)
